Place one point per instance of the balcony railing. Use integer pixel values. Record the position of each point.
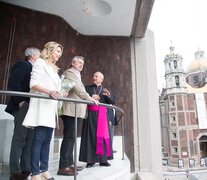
(34, 95)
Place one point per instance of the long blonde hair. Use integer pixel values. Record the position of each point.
(46, 53)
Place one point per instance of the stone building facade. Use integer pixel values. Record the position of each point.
(183, 114)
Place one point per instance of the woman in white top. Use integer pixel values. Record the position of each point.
(42, 112)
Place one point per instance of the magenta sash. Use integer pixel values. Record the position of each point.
(102, 131)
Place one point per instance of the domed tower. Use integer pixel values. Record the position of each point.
(174, 73)
(198, 64)
(196, 74)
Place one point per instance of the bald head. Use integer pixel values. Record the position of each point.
(98, 78)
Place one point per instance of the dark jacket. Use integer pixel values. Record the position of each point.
(19, 81)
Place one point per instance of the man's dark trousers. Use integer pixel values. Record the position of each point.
(20, 155)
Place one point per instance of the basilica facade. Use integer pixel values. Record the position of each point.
(183, 112)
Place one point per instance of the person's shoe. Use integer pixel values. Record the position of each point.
(89, 165)
(105, 164)
(36, 177)
(18, 176)
(66, 171)
(46, 175)
(26, 173)
(52, 178)
(78, 168)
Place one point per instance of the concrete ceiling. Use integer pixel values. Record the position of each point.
(97, 17)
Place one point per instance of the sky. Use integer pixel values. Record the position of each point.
(182, 23)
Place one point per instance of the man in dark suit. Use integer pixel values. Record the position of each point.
(17, 106)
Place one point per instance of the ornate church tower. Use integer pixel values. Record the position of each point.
(183, 112)
(174, 73)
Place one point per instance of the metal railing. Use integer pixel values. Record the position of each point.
(35, 95)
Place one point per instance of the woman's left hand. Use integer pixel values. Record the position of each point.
(55, 94)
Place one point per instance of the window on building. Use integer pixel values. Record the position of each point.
(172, 118)
(175, 64)
(174, 135)
(177, 80)
(175, 150)
(195, 79)
(172, 103)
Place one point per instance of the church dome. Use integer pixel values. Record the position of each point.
(198, 64)
(196, 74)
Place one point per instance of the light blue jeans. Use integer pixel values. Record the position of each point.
(40, 149)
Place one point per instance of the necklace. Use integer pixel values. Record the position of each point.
(99, 90)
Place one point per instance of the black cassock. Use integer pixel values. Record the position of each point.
(88, 137)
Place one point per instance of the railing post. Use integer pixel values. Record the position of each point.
(123, 141)
(75, 148)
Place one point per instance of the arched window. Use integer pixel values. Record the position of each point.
(175, 64)
(177, 80)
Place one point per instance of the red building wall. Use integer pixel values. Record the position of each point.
(183, 107)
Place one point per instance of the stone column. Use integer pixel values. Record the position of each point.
(147, 135)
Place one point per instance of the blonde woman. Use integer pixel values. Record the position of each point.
(41, 114)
